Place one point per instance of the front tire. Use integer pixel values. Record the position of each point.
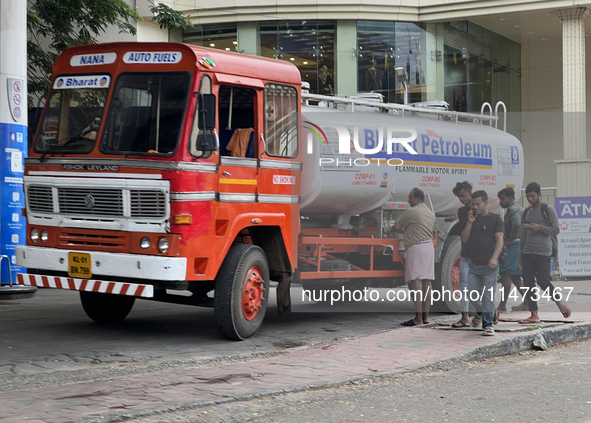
(241, 292)
(106, 308)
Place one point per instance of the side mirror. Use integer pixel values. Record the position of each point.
(206, 104)
(208, 142)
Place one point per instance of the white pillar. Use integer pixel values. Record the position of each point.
(574, 171)
(13, 126)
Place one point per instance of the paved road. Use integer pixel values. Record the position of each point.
(51, 333)
(533, 386)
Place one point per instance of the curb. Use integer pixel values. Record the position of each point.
(517, 343)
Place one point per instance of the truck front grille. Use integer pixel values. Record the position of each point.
(91, 240)
(147, 203)
(95, 202)
(40, 199)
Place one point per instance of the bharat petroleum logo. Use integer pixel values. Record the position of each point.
(318, 129)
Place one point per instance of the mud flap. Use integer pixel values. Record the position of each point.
(283, 294)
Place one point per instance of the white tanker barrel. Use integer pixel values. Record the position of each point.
(337, 183)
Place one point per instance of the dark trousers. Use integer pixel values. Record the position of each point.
(536, 267)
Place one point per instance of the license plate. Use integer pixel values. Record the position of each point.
(79, 265)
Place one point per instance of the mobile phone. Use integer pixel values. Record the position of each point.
(526, 225)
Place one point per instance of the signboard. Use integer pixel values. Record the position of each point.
(12, 197)
(574, 255)
(86, 81)
(152, 57)
(15, 98)
(574, 241)
(574, 214)
(93, 59)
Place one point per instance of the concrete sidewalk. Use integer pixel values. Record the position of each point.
(398, 350)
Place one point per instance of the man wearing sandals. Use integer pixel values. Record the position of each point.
(540, 224)
(509, 271)
(417, 225)
(484, 233)
(463, 190)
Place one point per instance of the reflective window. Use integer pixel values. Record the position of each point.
(220, 36)
(71, 121)
(480, 66)
(281, 120)
(307, 44)
(146, 113)
(384, 46)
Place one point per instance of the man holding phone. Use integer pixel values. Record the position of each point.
(540, 223)
(484, 233)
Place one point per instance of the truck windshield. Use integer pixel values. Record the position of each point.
(72, 119)
(146, 113)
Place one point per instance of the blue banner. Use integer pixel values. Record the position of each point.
(13, 139)
(574, 214)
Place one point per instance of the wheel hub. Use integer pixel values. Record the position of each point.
(455, 276)
(253, 293)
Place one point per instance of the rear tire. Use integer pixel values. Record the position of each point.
(241, 292)
(106, 308)
(448, 277)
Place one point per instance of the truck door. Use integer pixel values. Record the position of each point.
(279, 175)
(239, 126)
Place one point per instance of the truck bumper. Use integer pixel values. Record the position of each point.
(91, 285)
(157, 268)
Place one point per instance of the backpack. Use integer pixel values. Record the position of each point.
(554, 238)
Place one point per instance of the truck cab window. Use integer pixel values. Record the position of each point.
(281, 120)
(237, 121)
(71, 121)
(146, 113)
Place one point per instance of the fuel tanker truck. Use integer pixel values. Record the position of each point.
(176, 173)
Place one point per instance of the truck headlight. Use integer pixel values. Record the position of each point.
(34, 235)
(145, 243)
(44, 235)
(163, 245)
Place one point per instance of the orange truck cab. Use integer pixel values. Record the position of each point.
(162, 167)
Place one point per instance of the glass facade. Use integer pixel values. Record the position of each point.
(459, 62)
(480, 66)
(220, 36)
(384, 46)
(307, 44)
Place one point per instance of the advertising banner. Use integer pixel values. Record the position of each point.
(574, 241)
(14, 145)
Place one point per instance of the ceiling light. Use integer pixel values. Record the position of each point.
(235, 43)
(292, 58)
(227, 48)
(212, 45)
(305, 63)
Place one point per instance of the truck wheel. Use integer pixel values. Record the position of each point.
(448, 279)
(241, 292)
(106, 308)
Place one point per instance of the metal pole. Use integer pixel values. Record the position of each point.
(13, 127)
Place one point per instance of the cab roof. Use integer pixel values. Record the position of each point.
(90, 59)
